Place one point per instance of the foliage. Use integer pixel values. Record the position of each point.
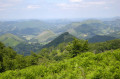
(77, 46)
(26, 48)
(10, 60)
(65, 61)
(87, 65)
(102, 46)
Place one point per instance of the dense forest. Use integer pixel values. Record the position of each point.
(68, 60)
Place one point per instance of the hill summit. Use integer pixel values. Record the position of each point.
(10, 39)
(65, 37)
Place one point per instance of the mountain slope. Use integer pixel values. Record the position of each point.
(45, 36)
(100, 38)
(115, 34)
(65, 37)
(10, 39)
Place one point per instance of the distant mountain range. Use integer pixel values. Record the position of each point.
(29, 27)
(115, 34)
(43, 32)
(90, 28)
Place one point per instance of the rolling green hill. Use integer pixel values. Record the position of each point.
(10, 39)
(45, 36)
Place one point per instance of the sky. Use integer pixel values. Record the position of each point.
(58, 9)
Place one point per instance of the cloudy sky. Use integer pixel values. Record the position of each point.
(54, 9)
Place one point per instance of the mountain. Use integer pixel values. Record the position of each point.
(10, 39)
(65, 37)
(29, 27)
(45, 36)
(115, 34)
(89, 28)
(99, 38)
(85, 29)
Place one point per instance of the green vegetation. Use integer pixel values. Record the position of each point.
(65, 58)
(10, 60)
(26, 48)
(103, 46)
(77, 47)
(100, 38)
(10, 39)
(88, 65)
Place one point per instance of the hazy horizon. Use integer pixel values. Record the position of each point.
(58, 9)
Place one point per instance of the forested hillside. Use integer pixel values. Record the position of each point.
(100, 38)
(88, 65)
(73, 60)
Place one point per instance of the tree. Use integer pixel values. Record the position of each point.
(77, 46)
(85, 46)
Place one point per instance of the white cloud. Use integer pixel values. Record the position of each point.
(33, 6)
(71, 6)
(75, 0)
(15, 0)
(95, 3)
(4, 5)
(9, 3)
(2, 9)
(107, 8)
(81, 5)
(11, 0)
